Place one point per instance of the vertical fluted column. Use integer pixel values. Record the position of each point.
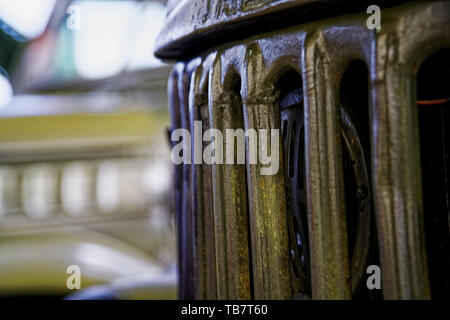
(229, 194)
(204, 250)
(326, 200)
(267, 207)
(398, 53)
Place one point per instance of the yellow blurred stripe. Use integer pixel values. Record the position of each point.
(82, 125)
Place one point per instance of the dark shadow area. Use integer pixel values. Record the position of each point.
(433, 85)
(293, 139)
(355, 133)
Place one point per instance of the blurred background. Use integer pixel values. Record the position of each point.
(85, 171)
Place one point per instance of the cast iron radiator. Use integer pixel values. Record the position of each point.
(364, 173)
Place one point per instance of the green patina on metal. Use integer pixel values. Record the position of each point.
(251, 253)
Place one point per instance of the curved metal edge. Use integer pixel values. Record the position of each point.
(194, 26)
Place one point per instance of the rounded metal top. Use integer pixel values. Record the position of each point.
(194, 25)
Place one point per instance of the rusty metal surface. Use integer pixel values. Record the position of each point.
(320, 52)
